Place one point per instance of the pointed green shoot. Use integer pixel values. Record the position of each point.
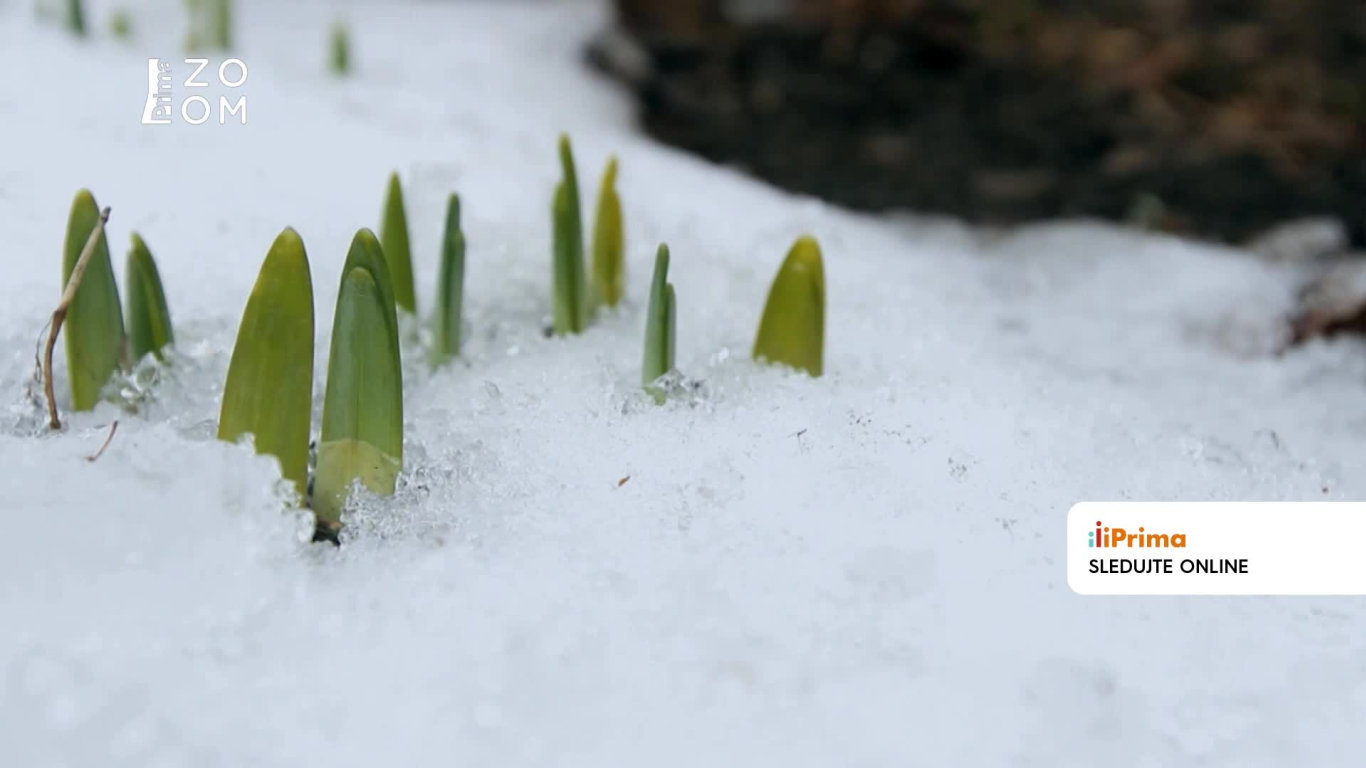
(149, 319)
(94, 321)
(609, 266)
(340, 49)
(792, 331)
(571, 301)
(393, 234)
(659, 327)
(75, 17)
(362, 432)
(451, 287)
(269, 391)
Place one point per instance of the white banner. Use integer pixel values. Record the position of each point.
(1217, 548)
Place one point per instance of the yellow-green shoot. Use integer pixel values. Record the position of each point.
(792, 331)
(609, 265)
(94, 321)
(269, 390)
(659, 328)
(362, 430)
(149, 318)
(393, 235)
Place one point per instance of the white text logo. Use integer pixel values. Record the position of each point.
(162, 108)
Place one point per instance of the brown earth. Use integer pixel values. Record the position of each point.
(1211, 117)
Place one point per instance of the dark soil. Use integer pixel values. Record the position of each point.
(1217, 118)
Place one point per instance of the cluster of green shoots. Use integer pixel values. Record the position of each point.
(210, 22)
(100, 340)
(209, 28)
(269, 389)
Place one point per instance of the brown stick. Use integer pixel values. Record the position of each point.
(59, 315)
(107, 440)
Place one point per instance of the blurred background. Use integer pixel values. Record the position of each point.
(1211, 118)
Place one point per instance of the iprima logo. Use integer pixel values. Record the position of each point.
(162, 108)
(1119, 537)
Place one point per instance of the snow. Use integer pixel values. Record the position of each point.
(865, 569)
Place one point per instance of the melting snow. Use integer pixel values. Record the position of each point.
(866, 569)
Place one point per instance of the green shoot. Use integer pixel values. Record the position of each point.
(362, 430)
(571, 301)
(222, 24)
(94, 321)
(451, 288)
(609, 266)
(269, 390)
(340, 49)
(393, 235)
(659, 328)
(149, 319)
(75, 17)
(210, 24)
(121, 25)
(792, 331)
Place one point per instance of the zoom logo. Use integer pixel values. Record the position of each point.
(194, 105)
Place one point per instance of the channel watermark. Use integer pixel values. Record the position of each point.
(164, 86)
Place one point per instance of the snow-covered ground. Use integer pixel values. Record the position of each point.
(861, 570)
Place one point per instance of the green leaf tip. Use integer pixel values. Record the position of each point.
(339, 49)
(792, 331)
(362, 429)
(572, 306)
(366, 251)
(609, 264)
(94, 321)
(269, 390)
(451, 285)
(659, 327)
(567, 162)
(149, 318)
(393, 235)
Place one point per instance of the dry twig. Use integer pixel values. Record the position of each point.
(59, 315)
(107, 440)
